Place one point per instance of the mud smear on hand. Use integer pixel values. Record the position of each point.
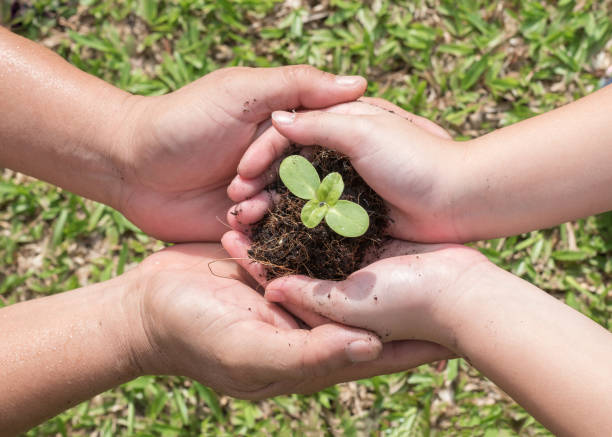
(285, 246)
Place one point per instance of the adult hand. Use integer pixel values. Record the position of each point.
(181, 150)
(166, 161)
(170, 315)
(406, 159)
(221, 332)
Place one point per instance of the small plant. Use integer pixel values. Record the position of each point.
(342, 216)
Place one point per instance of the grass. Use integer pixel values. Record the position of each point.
(472, 66)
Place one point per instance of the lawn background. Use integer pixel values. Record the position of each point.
(472, 66)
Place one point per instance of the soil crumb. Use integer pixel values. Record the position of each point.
(285, 246)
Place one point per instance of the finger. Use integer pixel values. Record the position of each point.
(422, 122)
(272, 314)
(401, 355)
(241, 216)
(375, 105)
(295, 86)
(271, 146)
(262, 153)
(237, 245)
(241, 189)
(340, 132)
(333, 300)
(262, 128)
(298, 355)
(396, 356)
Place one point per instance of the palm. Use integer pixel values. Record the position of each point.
(210, 318)
(205, 317)
(188, 165)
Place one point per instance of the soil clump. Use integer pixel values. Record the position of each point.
(285, 246)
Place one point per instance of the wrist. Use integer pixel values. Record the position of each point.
(129, 331)
(459, 190)
(464, 298)
(491, 302)
(118, 138)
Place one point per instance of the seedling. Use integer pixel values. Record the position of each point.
(342, 216)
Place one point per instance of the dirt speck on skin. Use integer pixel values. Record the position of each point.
(282, 243)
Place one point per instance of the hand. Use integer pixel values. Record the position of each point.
(410, 293)
(406, 159)
(220, 331)
(182, 149)
(508, 329)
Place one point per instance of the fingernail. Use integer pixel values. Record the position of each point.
(348, 80)
(360, 351)
(232, 184)
(283, 117)
(273, 295)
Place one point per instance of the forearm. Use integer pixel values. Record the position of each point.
(58, 123)
(537, 173)
(60, 350)
(552, 360)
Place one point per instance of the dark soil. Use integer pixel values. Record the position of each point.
(286, 247)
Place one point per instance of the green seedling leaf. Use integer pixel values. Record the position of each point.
(313, 212)
(299, 176)
(348, 219)
(331, 189)
(343, 217)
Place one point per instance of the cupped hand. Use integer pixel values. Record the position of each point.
(411, 293)
(406, 159)
(217, 329)
(180, 151)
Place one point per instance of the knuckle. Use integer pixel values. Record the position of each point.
(298, 73)
(301, 70)
(226, 75)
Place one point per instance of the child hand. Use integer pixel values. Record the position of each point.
(508, 329)
(411, 293)
(406, 159)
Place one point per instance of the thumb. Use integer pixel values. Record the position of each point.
(296, 355)
(422, 122)
(259, 91)
(368, 299)
(341, 132)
